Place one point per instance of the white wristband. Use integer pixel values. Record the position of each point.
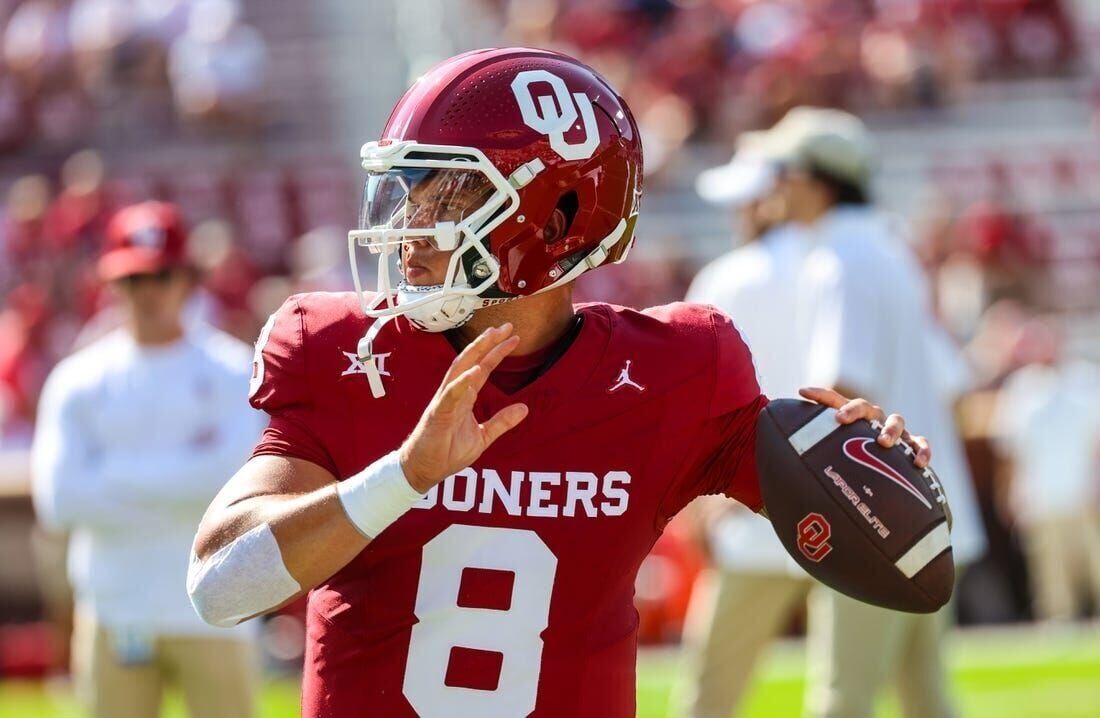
(377, 496)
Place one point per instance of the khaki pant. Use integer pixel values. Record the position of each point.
(1063, 558)
(854, 649)
(217, 675)
(732, 618)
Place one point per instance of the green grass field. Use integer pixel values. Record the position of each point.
(1014, 674)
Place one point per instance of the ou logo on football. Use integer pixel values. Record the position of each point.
(554, 119)
(813, 536)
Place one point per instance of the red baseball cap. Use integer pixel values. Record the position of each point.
(143, 239)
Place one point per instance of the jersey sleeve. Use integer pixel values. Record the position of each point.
(280, 387)
(736, 383)
(726, 460)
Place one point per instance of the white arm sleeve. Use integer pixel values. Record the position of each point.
(248, 576)
(242, 579)
(67, 482)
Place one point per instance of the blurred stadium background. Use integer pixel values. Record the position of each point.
(249, 115)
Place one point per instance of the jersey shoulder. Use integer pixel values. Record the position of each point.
(691, 340)
(304, 327)
(327, 315)
(685, 327)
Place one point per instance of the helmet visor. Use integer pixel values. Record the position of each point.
(412, 199)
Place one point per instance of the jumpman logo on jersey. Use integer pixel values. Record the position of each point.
(625, 380)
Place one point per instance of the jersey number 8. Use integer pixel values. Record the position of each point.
(442, 624)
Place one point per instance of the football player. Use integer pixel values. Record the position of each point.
(464, 469)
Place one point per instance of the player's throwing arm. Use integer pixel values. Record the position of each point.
(281, 526)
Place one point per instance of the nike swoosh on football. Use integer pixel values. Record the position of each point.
(856, 450)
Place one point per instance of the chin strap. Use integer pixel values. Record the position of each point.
(366, 352)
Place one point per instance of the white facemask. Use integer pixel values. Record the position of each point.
(450, 197)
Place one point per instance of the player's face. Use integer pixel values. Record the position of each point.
(444, 196)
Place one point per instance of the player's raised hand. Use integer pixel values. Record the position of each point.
(852, 410)
(448, 437)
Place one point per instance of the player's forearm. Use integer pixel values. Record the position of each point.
(257, 553)
(315, 535)
(254, 553)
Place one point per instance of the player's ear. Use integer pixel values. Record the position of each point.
(556, 226)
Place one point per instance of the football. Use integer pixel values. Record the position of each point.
(861, 518)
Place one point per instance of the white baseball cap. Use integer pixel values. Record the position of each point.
(747, 177)
(833, 142)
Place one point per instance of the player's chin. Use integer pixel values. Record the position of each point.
(422, 277)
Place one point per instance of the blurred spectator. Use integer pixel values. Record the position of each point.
(318, 262)
(754, 588)
(14, 124)
(36, 43)
(993, 349)
(729, 65)
(98, 70)
(136, 434)
(47, 240)
(1047, 425)
(77, 216)
(97, 28)
(217, 67)
(24, 222)
(162, 21)
(24, 361)
(854, 290)
(228, 276)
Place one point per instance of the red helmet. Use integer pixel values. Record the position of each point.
(475, 158)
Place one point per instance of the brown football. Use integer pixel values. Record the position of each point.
(860, 518)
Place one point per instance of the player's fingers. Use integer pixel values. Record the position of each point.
(828, 397)
(922, 447)
(459, 391)
(891, 430)
(857, 409)
(491, 360)
(504, 420)
(496, 355)
(476, 350)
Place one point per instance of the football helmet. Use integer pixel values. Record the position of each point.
(474, 159)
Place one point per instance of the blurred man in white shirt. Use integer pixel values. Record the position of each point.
(863, 325)
(135, 435)
(754, 588)
(1047, 423)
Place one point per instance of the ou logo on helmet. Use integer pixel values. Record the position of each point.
(554, 119)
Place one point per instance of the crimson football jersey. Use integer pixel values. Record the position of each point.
(508, 590)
